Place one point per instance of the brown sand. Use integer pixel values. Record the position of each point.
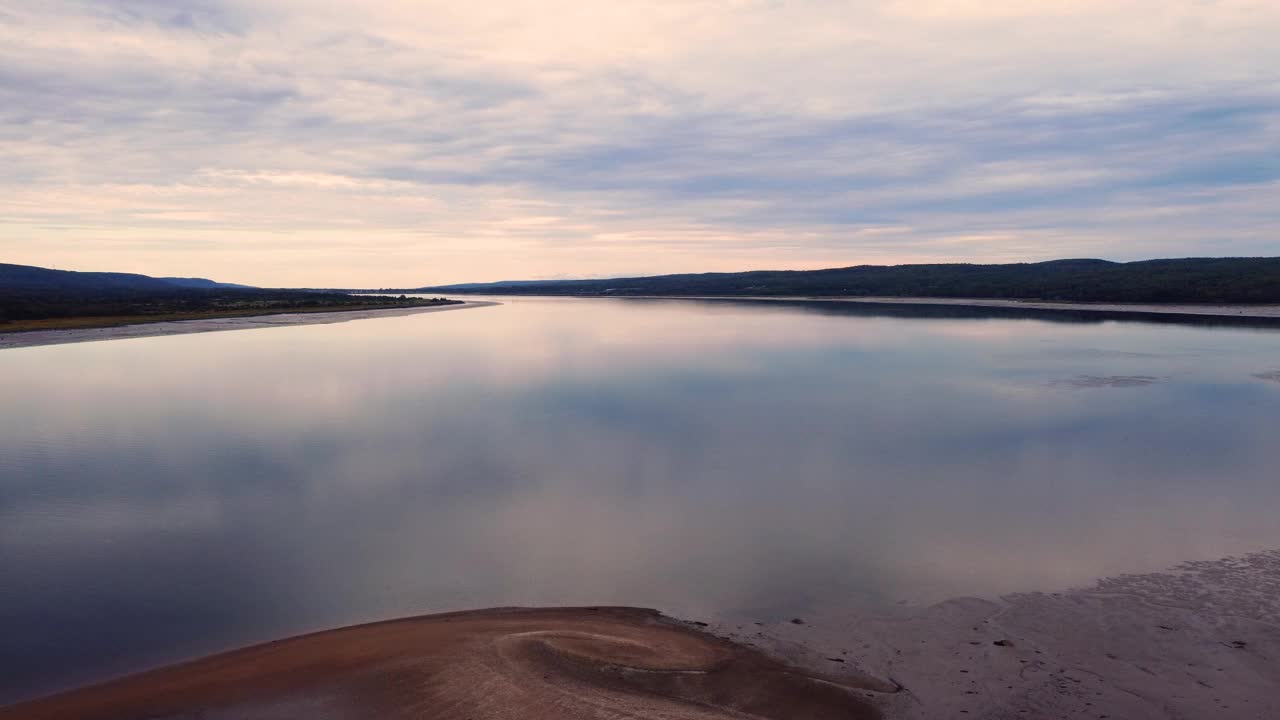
(502, 663)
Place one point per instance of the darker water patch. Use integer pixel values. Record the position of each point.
(1101, 381)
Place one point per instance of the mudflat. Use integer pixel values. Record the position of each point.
(601, 662)
(1198, 641)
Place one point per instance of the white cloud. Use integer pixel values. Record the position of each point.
(410, 142)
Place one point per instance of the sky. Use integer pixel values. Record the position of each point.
(391, 143)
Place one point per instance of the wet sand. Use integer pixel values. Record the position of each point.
(35, 338)
(1199, 641)
(488, 664)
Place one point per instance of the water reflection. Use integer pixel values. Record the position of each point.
(918, 311)
(165, 497)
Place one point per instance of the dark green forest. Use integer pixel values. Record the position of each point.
(29, 294)
(23, 304)
(1186, 280)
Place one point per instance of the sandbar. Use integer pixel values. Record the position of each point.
(33, 338)
(602, 662)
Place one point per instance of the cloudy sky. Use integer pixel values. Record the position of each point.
(389, 142)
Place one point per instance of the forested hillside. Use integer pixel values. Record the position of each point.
(1187, 280)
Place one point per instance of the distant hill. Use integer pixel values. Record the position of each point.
(34, 298)
(202, 283)
(29, 277)
(1185, 280)
(506, 284)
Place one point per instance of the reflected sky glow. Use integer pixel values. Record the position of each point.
(165, 497)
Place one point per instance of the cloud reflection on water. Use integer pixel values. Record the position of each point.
(169, 496)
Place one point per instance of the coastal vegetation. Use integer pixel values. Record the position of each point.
(40, 311)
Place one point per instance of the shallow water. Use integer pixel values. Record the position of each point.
(167, 497)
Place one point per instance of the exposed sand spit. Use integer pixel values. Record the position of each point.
(505, 663)
(34, 338)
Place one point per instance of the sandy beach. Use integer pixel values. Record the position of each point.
(1199, 641)
(35, 338)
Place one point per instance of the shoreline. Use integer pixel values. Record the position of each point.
(1242, 311)
(1251, 311)
(1260, 312)
(1200, 640)
(37, 338)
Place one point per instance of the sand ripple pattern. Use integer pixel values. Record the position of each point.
(510, 663)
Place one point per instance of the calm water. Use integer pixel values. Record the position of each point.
(166, 497)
